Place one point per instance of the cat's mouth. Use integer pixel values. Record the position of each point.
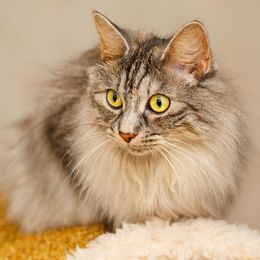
(140, 145)
(136, 148)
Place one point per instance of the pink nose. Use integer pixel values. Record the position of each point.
(127, 137)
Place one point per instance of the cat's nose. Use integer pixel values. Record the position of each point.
(127, 137)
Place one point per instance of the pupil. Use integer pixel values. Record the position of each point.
(159, 102)
(114, 96)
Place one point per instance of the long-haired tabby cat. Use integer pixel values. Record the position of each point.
(142, 126)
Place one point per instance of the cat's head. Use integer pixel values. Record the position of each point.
(150, 91)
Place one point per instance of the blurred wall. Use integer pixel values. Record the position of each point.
(36, 36)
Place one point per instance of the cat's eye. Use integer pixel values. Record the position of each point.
(159, 103)
(114, 99)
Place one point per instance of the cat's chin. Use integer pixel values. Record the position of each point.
(136, 150)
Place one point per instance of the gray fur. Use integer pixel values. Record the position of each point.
(68, 165)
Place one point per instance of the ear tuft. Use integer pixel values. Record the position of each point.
(189, 48)
(113, 45)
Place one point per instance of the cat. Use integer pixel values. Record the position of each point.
(140, 127)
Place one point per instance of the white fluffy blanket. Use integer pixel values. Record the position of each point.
(189, 239)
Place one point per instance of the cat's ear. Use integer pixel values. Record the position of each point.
(112, 43)
(189, 50)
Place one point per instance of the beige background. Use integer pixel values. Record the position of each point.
(37, 35)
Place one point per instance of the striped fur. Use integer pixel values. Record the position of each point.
(68, 165)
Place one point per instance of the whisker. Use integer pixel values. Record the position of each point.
(79, 141)
(179, 162)
(198, 152)
(101, 151)
(173, 177)
(73, 171)
(171, 166)
(203, 157)
(185, 151)
(205, 173)
(76, 169)
(87, 156)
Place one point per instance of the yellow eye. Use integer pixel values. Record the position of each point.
(114, 99)
(159, 103)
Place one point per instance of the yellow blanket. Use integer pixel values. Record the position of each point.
(48, 245)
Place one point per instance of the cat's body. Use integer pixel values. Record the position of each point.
(80, 160)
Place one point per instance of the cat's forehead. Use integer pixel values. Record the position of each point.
(140, 84)
(138, 72)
